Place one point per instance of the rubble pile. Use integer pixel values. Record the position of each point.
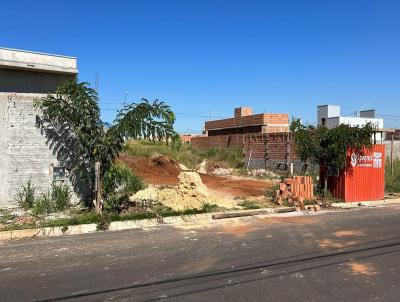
(222, 172)
(294, 191)
(262, 173)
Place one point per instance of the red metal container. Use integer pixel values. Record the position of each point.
(364, 177)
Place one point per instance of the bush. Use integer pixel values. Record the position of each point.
(271, 191)
(43, 204)
(250, 205)
(103, 223)
(57, 199)
(25, 196)
(60, 196)
(118, 184)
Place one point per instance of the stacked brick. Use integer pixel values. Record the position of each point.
(302, 186)
(294, 191)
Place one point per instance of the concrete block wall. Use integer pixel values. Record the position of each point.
(24, 153)
(396, 149)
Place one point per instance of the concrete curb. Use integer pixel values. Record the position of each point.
(375, 203)
(117, 225)
(175, 220)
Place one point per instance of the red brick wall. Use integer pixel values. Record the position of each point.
(218, 141)
(243, 111)
(271, 146)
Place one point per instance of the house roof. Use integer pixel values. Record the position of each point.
(37, 61)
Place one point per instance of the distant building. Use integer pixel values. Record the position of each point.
(24, 150)
(187, 138)
(330, 116)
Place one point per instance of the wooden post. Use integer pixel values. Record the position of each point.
(287, 151)
(97, 186)
(248, 162)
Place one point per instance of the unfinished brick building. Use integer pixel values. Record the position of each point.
(231, 132)
(265, 139)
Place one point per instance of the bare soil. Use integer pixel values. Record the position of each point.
(164, 171)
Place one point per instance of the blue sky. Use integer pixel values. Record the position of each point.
(206, 57)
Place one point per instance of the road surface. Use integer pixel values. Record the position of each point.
(348, 255)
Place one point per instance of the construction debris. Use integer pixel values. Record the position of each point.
(190, 193)
(262, 173)
(202, 167)
(293, 191)
(222, 172)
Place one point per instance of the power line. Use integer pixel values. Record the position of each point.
(187, 114)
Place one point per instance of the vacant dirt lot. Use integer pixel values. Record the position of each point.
(163, 171)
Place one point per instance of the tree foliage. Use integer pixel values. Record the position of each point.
(328, 147)
(71, 121)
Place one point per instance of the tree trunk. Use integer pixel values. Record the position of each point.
(326, 182)
(97, 188)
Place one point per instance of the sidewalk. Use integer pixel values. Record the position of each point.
(176, 220)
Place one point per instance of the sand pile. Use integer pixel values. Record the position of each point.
(190, 193)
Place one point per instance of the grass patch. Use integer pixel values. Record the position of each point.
(271, 192)
(55, 200)
(250, 205)
(187, 155)
(104, 220)
(392, 181)
(5, 216)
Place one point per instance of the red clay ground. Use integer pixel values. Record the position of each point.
(163, 171)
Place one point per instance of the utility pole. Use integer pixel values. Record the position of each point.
(97, 166)
(96, 82)
(126, 95)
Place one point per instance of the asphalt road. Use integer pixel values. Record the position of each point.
(337, 256)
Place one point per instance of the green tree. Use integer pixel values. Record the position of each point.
(328, 147)
(71, 121)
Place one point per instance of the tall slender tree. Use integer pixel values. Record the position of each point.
(71, 121)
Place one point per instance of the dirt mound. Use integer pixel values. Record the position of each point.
(159, 170)
(190, 193)
(164, 171)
